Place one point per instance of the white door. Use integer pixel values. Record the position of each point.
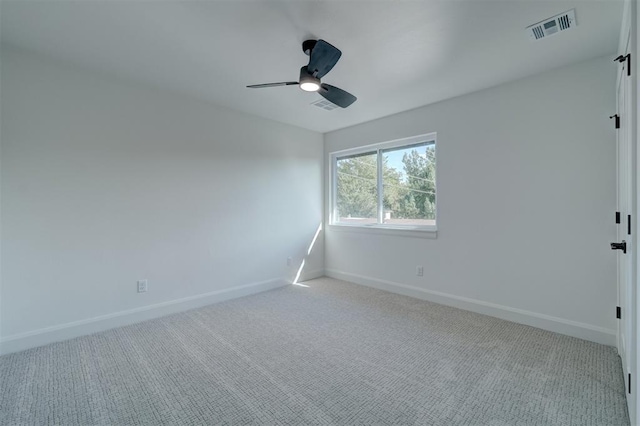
(625, 233)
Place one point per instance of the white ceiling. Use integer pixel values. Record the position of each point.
(396, 55)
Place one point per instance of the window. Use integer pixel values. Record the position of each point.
(387, 185)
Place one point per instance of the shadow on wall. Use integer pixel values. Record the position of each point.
(301, 268)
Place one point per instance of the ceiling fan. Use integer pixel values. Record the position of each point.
(322, 57)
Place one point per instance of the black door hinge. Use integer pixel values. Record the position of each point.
(620, 246)
(617, 217)
(618, 312)
(629, 224)
(627, 58)
(629, 382)
(617, 117)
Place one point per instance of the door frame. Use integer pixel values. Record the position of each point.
(628, 43)
(625, 230)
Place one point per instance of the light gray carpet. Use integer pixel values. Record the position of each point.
(330, 353)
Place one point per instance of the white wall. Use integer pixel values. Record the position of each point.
(105, 182)
(526, 201)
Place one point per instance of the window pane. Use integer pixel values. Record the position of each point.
(356, 193)
(409, 185)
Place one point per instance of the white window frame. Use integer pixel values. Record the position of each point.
(425, 231)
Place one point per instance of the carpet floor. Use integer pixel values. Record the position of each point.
(331, 353)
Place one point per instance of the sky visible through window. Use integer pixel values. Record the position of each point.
(394, 160)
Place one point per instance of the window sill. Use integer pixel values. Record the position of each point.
(402, 231)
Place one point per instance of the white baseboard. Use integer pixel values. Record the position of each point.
(309, 275)
(56, 333)
(546, 322)
(43, 336)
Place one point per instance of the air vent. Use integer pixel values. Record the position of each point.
(325, 104)
(551, 26)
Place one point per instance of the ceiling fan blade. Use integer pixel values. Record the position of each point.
(284, 83)
(336, 95)
(323, 57)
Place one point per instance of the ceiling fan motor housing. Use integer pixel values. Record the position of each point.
(307, 46)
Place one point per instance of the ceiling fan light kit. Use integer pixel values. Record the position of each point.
(308, 82)
(322, 58)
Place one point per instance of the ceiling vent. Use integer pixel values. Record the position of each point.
(325, 104)
(552, 26)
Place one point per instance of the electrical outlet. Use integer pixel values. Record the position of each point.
(289, 261)
(419, 271)
(142, 286)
